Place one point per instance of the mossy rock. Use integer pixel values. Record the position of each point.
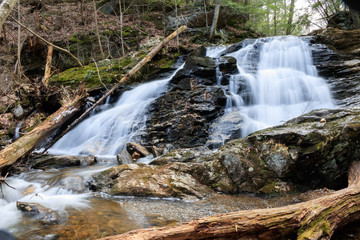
(111, 71)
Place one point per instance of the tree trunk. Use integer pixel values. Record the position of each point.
(97, 31)
(5, 9)
(355, 17)
(290, 19)
(131, 73)
(24, 145)
(215, 20)
(314, 219)
(47, 73)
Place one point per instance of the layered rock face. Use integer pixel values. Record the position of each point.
(183, 115)
(339, 63)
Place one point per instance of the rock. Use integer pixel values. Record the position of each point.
(342, 20)
(228, 65)
(182, 155)
(338, 66)
(182, 118)
(45, 215)
(18, 111)
(50, 161)
(136, 150)
(124, 157)
(180, 180)
(304, 151)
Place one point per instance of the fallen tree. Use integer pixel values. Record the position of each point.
(314, 219)
(27, 143)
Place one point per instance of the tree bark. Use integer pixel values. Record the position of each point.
(97, 30)
(289, 27)
(314, 219)
(131, 73)
(215, 20)
(25, 144)
(5, 9)
(47, 73)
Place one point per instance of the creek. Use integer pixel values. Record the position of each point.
(276, 81)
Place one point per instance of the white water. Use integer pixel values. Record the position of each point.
(106, 133)
(282, 80)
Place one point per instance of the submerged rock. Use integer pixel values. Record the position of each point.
(44, 215)
(50, 161)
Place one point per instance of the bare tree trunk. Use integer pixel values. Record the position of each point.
(121, 29)
(355, 17)
(314, 219)
(215, 20)
(177, 23)
(206, 18)
(25, 144)
(47, 74)
(131, 73)
(97, 30)
(6, 6)
(19, 42)
(290, 20)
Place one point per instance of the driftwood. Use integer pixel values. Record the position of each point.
(25, 144)
(131, 73)
(314, 219)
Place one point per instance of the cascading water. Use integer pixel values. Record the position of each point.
(106, 133)
(277, 81)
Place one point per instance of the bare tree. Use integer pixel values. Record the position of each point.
(97, 30)
(215, 20)
(289, 27)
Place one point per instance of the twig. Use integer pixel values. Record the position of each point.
(49, 43)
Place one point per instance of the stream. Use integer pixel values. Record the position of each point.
(273, 85)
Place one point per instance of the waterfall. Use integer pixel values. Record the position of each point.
(277, 81)
(106, 133)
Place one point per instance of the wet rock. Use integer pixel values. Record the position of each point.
(228, 65)
(182, 118)
(182, 155)
(73, 183)
(305, 151)
(50, 161)
(44, 215)
(136, 150)
(337, 63)
(224, 129)
(124, 157)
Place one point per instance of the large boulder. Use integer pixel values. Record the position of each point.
(310, 151)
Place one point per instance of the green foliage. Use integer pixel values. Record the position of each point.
(270, 17)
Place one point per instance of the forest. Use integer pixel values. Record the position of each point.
(179, 119)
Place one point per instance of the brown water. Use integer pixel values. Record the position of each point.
(106, 217)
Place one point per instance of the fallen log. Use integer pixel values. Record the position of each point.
(131, 73)
(314, 219)
(25, 144)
